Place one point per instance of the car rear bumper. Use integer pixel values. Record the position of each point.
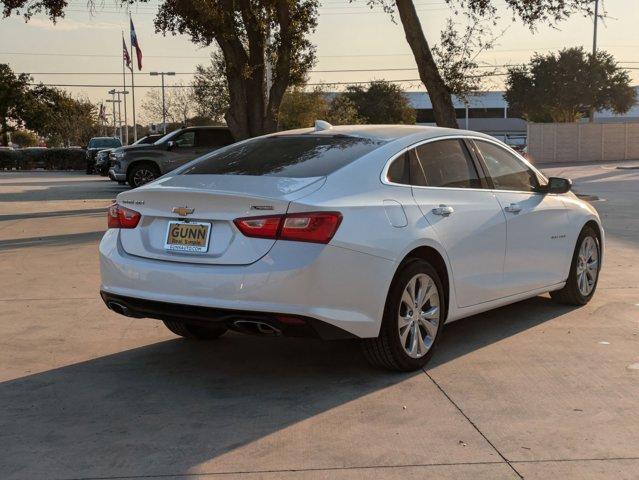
(238, 320)
(333, 285)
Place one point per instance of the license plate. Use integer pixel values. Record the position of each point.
(188, 236)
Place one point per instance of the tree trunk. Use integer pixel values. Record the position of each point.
(5, 132)
(428, 73)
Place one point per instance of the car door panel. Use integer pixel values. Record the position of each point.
(536, 240)
(466, 218)
(474, 236)
(536, 246)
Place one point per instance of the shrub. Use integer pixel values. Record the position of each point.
(46, 158)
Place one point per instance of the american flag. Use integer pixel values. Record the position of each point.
(102, 114)
(136, 45)
(125, 54)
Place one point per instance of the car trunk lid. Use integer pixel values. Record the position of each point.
(213, 200)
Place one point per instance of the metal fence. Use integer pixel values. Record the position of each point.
(583, 142)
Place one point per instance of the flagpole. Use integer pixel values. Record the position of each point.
(135, 125)
(126, 123)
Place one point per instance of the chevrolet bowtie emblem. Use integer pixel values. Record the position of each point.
(183, 211)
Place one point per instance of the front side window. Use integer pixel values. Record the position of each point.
(443, 163)
(297, 156)
(506, 170)
(186, 140)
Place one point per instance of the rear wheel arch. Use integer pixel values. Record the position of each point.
(432, 256)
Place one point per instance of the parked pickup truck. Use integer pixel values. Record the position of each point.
(140, 164)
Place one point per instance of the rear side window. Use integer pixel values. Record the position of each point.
(295, 156)
(443, 163)
(214, 137)
(398, 171)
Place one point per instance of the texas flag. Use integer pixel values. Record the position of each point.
(125, 54)
(136, 45)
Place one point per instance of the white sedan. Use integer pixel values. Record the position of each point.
(382, 233)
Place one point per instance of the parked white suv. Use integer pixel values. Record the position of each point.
(383, 233)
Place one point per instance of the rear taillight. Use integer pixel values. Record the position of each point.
(261, 227)
(122, 217)
(310, 227)
(315, 227)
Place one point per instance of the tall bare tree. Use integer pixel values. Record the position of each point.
(530, 12)
(179, 104)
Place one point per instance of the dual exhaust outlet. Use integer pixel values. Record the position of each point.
(254, 327)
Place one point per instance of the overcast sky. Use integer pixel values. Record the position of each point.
(349, 36)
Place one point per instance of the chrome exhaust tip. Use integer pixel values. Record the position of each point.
(119, 308)
(256, 327)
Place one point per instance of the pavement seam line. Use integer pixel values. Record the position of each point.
(473, 424)
(320, 469)
(286, 470)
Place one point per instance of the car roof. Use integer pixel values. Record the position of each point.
(386, 133)
(205, 127)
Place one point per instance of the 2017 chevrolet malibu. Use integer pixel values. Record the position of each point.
(382, 233)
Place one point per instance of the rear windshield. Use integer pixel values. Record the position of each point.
(295, 156)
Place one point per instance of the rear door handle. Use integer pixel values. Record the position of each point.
(443, 210)
(513, 208)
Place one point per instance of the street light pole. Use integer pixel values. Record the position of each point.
(162, 74)
(591, 115)
(119, 116)
(124, 93)
(113, 102)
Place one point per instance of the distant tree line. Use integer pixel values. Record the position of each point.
(51, 113)
(265, 52)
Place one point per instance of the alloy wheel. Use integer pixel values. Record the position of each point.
(142, 176)
(587, 266)
(419, 315)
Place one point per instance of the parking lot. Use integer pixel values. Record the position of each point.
(533, 390)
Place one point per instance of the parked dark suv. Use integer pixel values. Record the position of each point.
(97, 144)
(103, 158)
(140, 164)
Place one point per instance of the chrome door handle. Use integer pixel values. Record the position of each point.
(513, 208)
(443, 210)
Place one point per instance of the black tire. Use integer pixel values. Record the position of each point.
(570, 294)
(194, 332)
(141, 173)
(386, 351)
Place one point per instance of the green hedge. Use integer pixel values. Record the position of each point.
(46, 158)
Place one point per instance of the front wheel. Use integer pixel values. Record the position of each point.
(194, 332)
(584, 270)
(142, 173)
(413, 319)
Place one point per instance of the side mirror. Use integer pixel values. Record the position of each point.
(170, 145)
(558, 185)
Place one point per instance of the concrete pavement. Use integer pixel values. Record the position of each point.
(533, 390)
